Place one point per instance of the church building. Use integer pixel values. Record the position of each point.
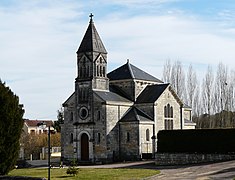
(116, 116)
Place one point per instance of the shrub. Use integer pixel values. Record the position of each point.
(72, 170)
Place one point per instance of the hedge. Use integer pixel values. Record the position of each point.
(196, 141)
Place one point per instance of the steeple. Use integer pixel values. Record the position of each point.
(91, 41)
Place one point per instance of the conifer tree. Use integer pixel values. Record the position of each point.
(11, 123)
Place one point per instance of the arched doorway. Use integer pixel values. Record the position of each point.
(84, 147)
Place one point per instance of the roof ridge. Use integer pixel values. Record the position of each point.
(130, 69)
(136, 114)
(143, 113)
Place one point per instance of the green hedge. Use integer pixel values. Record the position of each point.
(196, 141)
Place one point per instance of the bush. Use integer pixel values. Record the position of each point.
(72, 170)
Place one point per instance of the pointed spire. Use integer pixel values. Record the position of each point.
(91, 41)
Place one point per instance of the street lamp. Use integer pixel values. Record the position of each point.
(76, 141)
(43, 125)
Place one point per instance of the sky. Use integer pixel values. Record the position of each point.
(39, 40)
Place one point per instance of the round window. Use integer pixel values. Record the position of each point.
(83, 112)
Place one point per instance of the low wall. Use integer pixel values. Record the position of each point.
(182, 158)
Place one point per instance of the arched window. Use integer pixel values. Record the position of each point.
(127, 137)
(147, 135)
(168, 110)
(98, 138)
(104, 71)
(168, 114)
(71, 138)
(165, 111)
(101, 71)
(171, 112)
(98, 115)
(71, 116)
(87, 71)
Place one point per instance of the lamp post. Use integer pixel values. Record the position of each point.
(76, 141)
(49, 147)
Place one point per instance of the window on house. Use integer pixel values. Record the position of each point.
(127, 137)
(147, 135)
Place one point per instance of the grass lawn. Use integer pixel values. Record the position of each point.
(122, 173)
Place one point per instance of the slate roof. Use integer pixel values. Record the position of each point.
(151, 93)
(110, 96)
(129, 71)
(134, 114)
(119, 91)
(91, 41)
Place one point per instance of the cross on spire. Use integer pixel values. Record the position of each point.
(91, 16)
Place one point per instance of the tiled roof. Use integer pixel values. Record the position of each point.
(135, 114)
(129, 71)
(151, 93)
(91, 41)
(34, 123)
(110, 96)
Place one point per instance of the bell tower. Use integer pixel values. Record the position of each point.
(91, 72)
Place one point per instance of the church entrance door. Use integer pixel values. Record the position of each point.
(84, 147)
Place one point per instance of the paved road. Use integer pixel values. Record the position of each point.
(215, 171)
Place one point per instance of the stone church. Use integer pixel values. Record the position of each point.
(116, 116)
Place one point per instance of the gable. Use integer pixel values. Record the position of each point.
(70, 100)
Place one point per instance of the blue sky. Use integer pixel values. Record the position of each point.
(39, 39)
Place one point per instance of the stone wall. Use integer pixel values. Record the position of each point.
(182, 159)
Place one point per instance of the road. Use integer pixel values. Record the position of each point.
(215, 171)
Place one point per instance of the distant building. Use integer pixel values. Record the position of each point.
(116, 116)
(31, 126)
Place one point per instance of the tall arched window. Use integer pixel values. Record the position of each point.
(127, 137)
(171, 112)
(71, 138)
(147, 135)
(168, 114)
(71, 116)
(101, 71)
(98, 138)
(104, 71)
(98, 115)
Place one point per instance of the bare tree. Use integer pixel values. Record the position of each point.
(167, 72)
(221, 97)
(178, 79)
(192, 83)
(207, 95)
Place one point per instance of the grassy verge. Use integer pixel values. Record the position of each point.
(85, 173)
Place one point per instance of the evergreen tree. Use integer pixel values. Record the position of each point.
(11, 123)
(60, 117)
